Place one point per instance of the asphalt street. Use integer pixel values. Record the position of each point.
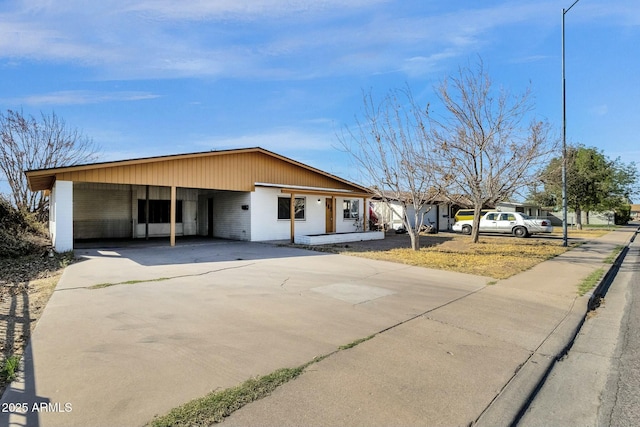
(598, 382)
(621, 396)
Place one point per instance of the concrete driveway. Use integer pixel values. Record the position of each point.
(202, 317)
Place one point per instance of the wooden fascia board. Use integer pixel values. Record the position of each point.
(325, 193)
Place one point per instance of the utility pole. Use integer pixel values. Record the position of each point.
(564, 136)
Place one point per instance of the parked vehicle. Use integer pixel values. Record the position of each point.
(465, 214)
(518, 224)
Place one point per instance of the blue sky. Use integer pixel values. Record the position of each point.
(145, 78)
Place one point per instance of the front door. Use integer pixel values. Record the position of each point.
(329, 215)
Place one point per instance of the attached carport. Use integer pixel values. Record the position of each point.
(210, 194)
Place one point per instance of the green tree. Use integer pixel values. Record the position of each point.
(594, 183)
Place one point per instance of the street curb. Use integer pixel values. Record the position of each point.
(515, 397)
(538, 366)
(601, 290)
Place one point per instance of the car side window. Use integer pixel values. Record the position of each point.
(507, 217)
(492, 217)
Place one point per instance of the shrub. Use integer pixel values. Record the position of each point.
(9, 369)
(623, 215)
(20, 232)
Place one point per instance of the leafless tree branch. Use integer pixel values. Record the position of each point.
(30, 144)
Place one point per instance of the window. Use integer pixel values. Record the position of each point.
(350, 209)
(159, 211)
(284, 207)
(507, 217)
(492, 217)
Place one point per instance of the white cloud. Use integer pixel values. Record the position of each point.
(79, 98)
(241, 9)
(267, 39)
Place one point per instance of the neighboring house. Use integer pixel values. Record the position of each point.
(244, 194)
(525, 208)
(592, 218)
(439, 212)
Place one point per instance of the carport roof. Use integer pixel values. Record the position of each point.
(237, 170)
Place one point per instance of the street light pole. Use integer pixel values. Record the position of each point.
(564, 137)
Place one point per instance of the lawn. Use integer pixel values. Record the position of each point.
(498, 257)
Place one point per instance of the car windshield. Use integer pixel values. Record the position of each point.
(525, 216)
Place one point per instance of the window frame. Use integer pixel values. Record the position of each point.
(284, 210)
(157, 209)
(347, 209)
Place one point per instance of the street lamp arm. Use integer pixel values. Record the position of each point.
(564, 11)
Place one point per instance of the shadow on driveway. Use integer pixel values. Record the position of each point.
(188, 251)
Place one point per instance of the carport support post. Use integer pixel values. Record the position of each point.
(334, 214)
(173, 215)
(146, 215)
(292, 215)
(365, 211)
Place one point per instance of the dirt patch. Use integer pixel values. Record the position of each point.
(26, 284)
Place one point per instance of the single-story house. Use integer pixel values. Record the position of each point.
(438, 212)
(242, 194)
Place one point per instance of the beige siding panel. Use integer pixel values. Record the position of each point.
(235, 171)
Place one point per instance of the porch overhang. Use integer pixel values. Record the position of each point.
(326, 192)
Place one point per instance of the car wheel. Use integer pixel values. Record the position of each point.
(466, 229)
(520, 232)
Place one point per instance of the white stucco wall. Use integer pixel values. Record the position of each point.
(394, 219)
(101, 210)
(264, 216)
(344, 225)
(230, 220)
(61, 216)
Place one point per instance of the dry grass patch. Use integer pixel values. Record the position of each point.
(585, 233)
(492, 257)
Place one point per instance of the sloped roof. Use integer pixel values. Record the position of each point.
(237, 169)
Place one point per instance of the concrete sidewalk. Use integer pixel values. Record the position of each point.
(473, 361)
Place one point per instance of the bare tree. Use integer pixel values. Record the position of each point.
(29, 144)
(390, 151)
(486, 143)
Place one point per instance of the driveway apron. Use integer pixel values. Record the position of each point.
(167, 325)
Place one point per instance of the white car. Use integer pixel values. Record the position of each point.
(520, 225)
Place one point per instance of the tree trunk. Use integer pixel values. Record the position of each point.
(414, 233)
(415, 239)
(578, 219)
(475, 227)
